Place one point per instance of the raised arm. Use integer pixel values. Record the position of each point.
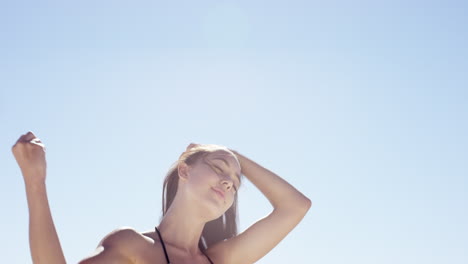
(44, 243)
(290, 206)
(281, 194)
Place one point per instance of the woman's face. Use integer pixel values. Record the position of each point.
(215, 179)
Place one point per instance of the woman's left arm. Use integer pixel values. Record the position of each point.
(289, 207)
(282, 195)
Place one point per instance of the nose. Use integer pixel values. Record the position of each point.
(227, 183)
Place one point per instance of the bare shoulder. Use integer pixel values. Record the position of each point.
(121, 236)
(122, 245)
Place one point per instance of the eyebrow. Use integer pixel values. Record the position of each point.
(227, 165)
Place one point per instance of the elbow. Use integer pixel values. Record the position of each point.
(305, 204)
(295, 209)
(298, 206)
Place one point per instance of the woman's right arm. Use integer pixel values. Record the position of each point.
(44, 243)
(45, 246)
(43, 240)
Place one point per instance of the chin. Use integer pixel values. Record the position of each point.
(215, 211)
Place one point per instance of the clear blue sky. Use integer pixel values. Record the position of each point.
(361, 105)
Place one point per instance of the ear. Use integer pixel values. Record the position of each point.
(183, 169)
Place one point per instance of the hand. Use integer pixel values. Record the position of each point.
(29, 153)
(192, 145)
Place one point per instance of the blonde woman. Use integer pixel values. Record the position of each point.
(199, 223)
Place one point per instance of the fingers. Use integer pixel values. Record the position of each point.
(38, 142)
(29, 138)
(192, 145)
(26, 137)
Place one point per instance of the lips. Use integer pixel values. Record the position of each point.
(219, 192)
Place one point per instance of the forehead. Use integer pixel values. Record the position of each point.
(225, 157)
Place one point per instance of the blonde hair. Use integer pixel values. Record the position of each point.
(216, 230)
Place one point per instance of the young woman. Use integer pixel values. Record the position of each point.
(199, 212)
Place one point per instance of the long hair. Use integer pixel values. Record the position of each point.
(216, 230)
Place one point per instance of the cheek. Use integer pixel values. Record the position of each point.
(203, 177)
(230, 201)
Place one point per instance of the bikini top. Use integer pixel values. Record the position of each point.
(165, 252)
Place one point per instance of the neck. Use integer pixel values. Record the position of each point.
(181, 227)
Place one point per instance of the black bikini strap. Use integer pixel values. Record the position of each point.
(165, 252)
(164, 246)
(208, 258)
